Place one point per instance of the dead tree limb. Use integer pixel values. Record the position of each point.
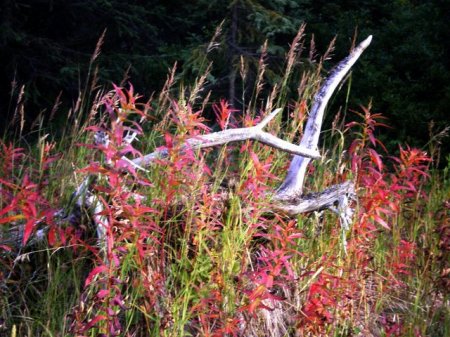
(327, 199)
(293, 183)
(83, 198)
(235, 135)
(288, 198)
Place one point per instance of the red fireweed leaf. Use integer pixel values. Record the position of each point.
(223, 113)
(97, 270)
(129, 149)
(144, 210)
(94, 321)
(95, 128)
(376, 158)
(29, 226)
(381, 210)
(206, 170)
(372, 139)
(51, 236)
(254, 305)
(102, 294)
(230, 328)
(9, 184)
(257, 292)
(48, 160)
(11, 218)
(29, 207)
(110, 312)
(5, 247)
(120, 92)
(117, 300)
(130, 92)
(380, 221)
(118, 134)
(169, 140)
(9, 208)
(122, 164)
(94, 168)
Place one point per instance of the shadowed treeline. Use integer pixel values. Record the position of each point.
(46, 48)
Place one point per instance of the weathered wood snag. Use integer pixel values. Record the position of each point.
(289, 197)
(293, 184)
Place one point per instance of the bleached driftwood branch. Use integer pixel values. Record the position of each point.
(235, 135)
(327, 199)
(293, 183)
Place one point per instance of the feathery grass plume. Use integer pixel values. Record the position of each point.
(294, 53)
(435, 142)
(19, 111)
(95, 108)
(243, 69)
(261, 69)
(271, 99)
(198, 86)
(243, 72)
(312, 49)
(55, 107)
(206, 101)
(329, 52)
(94, 82)
(295, 50)
(164, 98)
(98, 47)
(77, 115)
(213, 44)
(125, 77)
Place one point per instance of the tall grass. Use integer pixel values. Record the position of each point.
(191, 246)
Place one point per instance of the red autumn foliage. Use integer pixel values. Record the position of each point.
(133, 226)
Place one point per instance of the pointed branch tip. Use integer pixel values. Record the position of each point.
(268, 118)
(366, 42)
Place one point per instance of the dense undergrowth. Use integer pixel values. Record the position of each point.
(190, 246)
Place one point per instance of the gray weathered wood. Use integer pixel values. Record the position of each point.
(234, 135)
(293, 183)
(328, 198)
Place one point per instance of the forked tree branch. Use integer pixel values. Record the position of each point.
(235, 135)
(82, 198)
(291, 189)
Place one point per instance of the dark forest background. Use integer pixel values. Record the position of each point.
(46, 48)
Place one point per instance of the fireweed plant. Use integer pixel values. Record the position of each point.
(189, 246)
